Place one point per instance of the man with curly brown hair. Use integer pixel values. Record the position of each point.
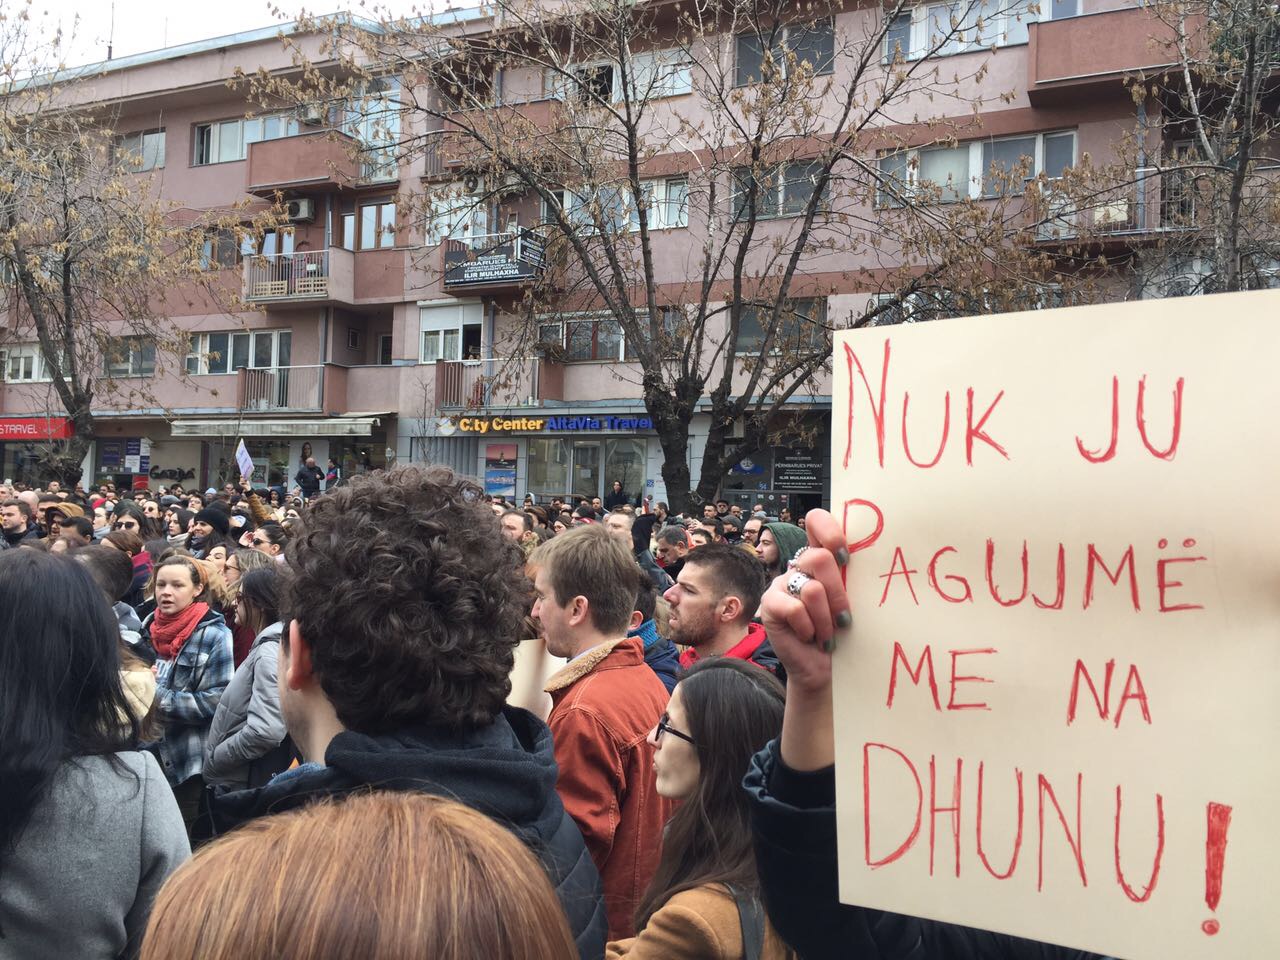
(406, 605)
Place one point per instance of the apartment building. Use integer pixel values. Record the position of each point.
(374, 340)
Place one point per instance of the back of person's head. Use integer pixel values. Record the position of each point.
(733, 572)
(410, 599)
(274, 533)
(591, 562)
(126, 541)
(673, 534)
(111, 570)
(646, 595)
(732, 708)
(257, 594)
(446, 883)
(248, 559)
(60, 689)
(714, 524)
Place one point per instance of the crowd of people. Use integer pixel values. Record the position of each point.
(316, 696)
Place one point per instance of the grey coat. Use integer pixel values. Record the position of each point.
(83, 876)
(248, 724)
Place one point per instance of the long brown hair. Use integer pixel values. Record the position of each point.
(375, 876)
(732, 708)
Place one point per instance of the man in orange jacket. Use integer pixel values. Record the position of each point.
(605, 703)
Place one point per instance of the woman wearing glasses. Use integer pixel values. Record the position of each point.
(238, 565)
(704, 899)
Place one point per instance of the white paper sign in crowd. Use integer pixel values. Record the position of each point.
(1059, 713)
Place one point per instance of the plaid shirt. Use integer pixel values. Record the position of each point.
(188, 688)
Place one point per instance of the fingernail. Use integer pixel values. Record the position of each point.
(829, 645)
(844, 620)
(842, 556)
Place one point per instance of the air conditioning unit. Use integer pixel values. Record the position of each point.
(312, 114)
(472, 183)
(301, 211)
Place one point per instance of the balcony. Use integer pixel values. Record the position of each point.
(318, 162)
(307, 278)
(497, 383)
(281, 389)
(493, 262)
(1093, 52)
(534, 124)
(1154, 203)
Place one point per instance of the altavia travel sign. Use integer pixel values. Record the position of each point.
(577, 424)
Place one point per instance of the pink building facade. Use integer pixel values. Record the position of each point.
(375, 341)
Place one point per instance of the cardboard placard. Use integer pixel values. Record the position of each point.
(1058, 714)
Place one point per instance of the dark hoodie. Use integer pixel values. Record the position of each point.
(506, 771)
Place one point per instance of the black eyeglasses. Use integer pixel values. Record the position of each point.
(126, 525)
(664, 726)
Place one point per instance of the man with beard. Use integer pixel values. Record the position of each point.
(712, 605)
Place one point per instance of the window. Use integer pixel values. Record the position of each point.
(581, 209)
(667, 202)
(654, 74)
(22, 363)
(1060, 9)
(956, 26)
(219, 248)
(585, 337)
(801, 326)
(813, 43)
(229, 140)
(982, 168)
(784, 192)
(130, 357)
(141, 151)
(378, 225)
(456, 215)
(372, 117)
(227, 352)
(450, 331)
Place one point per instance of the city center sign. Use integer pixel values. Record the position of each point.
(575, 424)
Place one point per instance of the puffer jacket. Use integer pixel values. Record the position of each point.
(248, 727)
(506, 770)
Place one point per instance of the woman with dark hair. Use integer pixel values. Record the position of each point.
(128, 513)
(128, 542)
(179, 526)
(88, 827)
(248, 744)
(704, 900)
(270, 538)
(193, 667)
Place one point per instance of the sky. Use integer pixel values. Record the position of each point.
(141, 26)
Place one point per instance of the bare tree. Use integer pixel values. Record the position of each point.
(703, 175)
(94, 263)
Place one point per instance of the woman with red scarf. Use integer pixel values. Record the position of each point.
(193, 667)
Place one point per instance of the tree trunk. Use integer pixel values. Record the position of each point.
(63, 464)
(674, 439)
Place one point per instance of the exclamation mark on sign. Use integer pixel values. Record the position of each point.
(1215, 854)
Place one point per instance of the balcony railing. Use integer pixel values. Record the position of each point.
(497, 383)
(281, 388)
(1154, 202)
(280, 276)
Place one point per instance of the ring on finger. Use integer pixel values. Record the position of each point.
(795, 559)
(796, 582)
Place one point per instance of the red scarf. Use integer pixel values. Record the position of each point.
(169, 633)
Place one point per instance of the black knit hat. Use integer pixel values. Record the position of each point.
(217, 519)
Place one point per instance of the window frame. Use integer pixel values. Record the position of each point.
(382, 230)
(822, 311)
(123, 153)
(562, 322)
(779, 182)
(978, 174)
(460, 316)
(678, 82)
(23, 351)
(785, 44)
(919, 33)
(136, 360)
(287, 119)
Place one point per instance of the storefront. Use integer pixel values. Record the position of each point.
(24, 441)
(548, 456)
(795, 477)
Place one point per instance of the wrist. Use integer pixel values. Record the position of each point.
(808, 729)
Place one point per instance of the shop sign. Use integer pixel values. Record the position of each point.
(514, 260)
(547, 424)
(35, 428)
(799, 471)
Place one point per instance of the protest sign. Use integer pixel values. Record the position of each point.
(1058, 713)
(244, 461)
